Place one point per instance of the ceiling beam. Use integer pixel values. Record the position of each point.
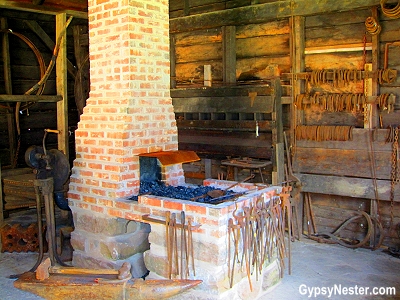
(259, 13)
(77, 9)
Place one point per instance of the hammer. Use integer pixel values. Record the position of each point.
(44, 270)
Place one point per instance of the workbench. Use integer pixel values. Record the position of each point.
(250, 164)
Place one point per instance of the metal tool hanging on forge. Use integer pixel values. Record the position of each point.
(255, 234)
(186, 258)
(295, 190)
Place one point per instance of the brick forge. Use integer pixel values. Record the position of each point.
(210, 244)
(129, 112)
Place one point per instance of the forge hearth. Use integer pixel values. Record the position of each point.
(133, 235)
(129, 115)
(196, 193)
(210, 242)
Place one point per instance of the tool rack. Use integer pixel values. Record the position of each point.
(233, 121)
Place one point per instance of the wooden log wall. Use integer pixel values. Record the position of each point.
(222, 122)
(180, 8)
(243, 59)
(259, 49)
(24, 68)
(347, 176)
(325, 36)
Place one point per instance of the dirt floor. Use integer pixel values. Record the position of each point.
(317, 270)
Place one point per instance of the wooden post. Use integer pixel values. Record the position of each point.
(277, 133)
(8, 88)
(172, 61)
(373, 121)
(229, 54)
(81, 57)
(207, 75)
(61, 84)
(1, 202)
(298, 65)
(208, 168)
(186, 8)
(297, 57)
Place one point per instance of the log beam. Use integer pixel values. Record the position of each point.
(76, 9)
(260, 13)
(30, 98)
(61, 83)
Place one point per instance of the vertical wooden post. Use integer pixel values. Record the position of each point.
(1, 202)
(277, 133)
(375, 53)
(298, 86)
(208, 168)
(207, 75)
(297, 58)
(172, 61)
(229, 54)
(8, 88)
(373, 120)
(81, 60)
(186, 8)
(61, 84)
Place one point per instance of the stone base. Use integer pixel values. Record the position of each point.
(268, 280)
(105, 243)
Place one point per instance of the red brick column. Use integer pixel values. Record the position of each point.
(129, 110)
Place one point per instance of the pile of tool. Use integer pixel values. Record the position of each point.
(179, 264)
(257, 233)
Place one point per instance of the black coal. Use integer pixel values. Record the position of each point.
(158, 188)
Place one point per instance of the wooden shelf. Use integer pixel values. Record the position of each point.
(30, 98)
(338, 48)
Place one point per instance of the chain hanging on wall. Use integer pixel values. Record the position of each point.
(331, 102)
(393, 137)
(321, 133)
(355, 103)
(393, 13)
(342, 77)
(372, 26)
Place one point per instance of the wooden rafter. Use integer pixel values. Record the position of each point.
(259, 13)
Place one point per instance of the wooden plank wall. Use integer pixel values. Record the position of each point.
(182, 8)
(259, 47)
(337, 174)
(25, 74)
(341, 175)
(195, 49)
(222, 121)
(260, 50)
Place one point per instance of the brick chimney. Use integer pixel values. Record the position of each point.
(129, 112)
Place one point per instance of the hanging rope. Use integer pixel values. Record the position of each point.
(45, 73)
(39, 57)
(52, 61)
(19, 106)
